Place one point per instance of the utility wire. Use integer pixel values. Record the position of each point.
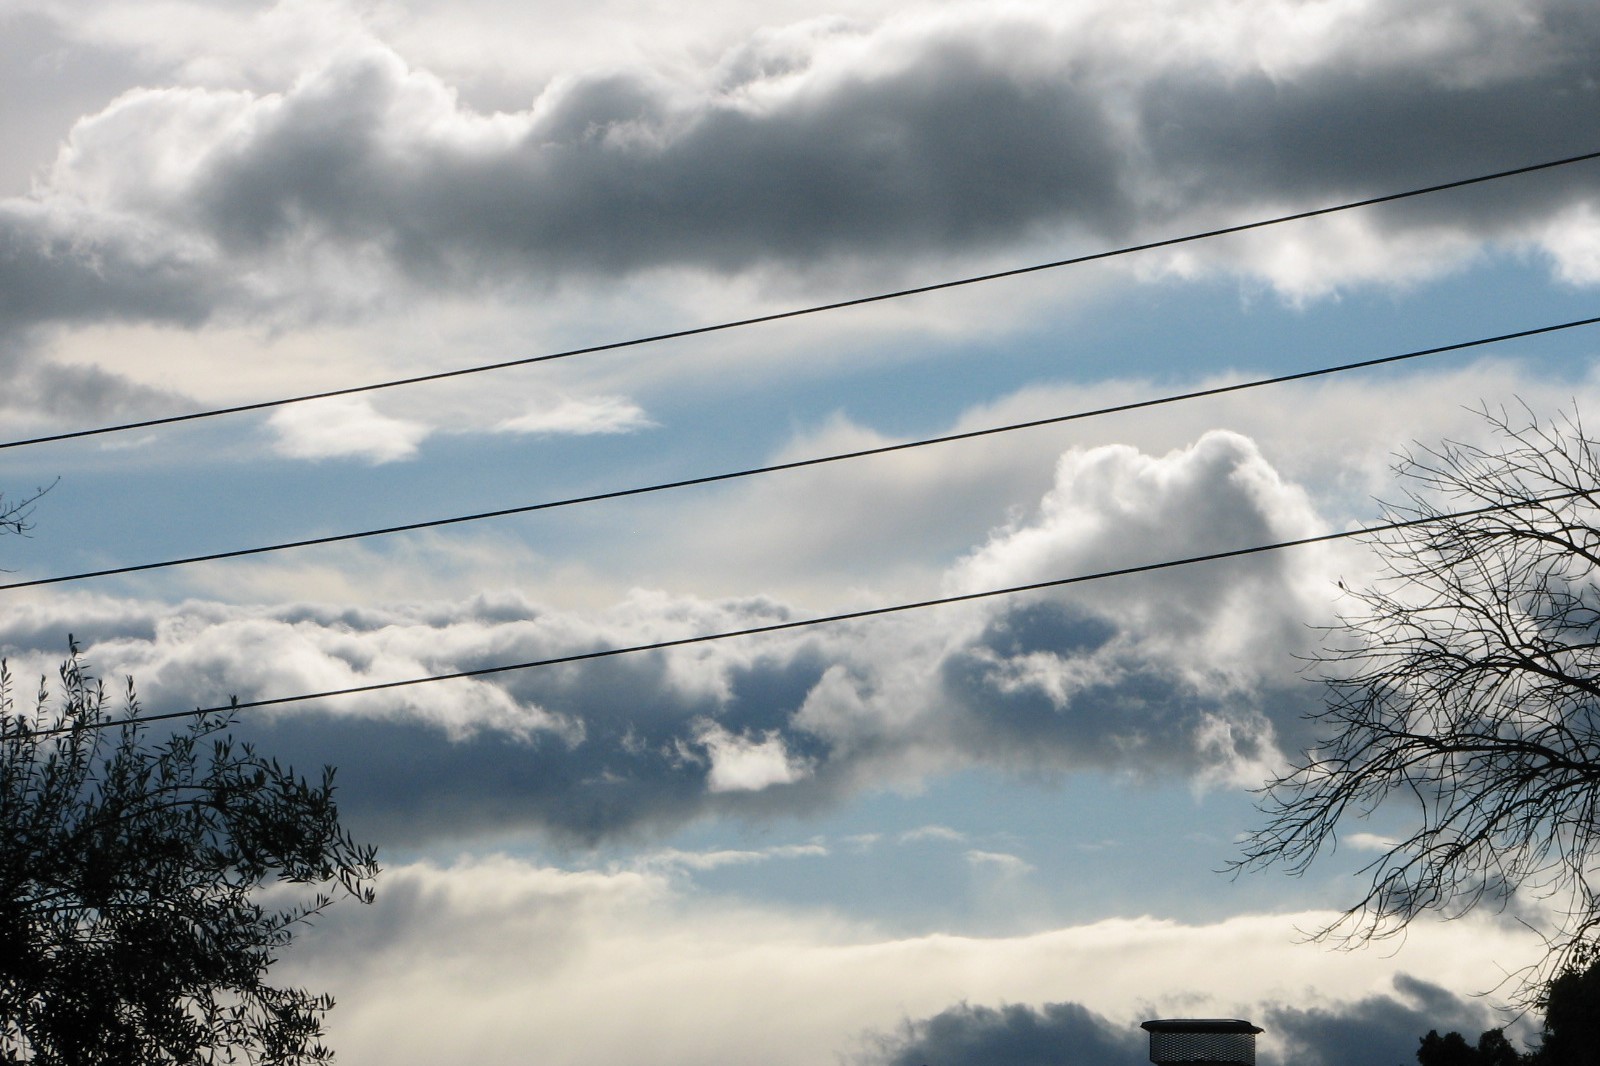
(434, 523)
(845, 616)
(799, 312)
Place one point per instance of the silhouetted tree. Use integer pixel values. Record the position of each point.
(1463, 695)
(1451, 1049)
(1495, 1050)
(130, 857)
(1571, 1031)
(1572, 1019)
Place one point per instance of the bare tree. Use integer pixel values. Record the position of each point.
(1463, 698)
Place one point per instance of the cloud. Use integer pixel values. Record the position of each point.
(344, 427)
(747, 764)
(941, 833)
(1014, 1035)
(580, 416)
(1367, 842)
(711, 860)
(491, 957)
(934, 133)
(49, 80)
(1003, 863)
(1374, 1029)
(1193, 675)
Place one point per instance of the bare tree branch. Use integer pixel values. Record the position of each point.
(1463, 695)
(16, 514)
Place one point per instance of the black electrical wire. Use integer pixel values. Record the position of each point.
(845, 616)
(707, 479)
(799, 312)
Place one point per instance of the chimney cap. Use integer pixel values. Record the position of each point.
(1199, 1025)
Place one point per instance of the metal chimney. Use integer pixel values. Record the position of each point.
(1213, 1041)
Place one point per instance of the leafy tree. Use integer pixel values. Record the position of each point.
(1452, 1049)
(1572, 1019)
(1463, 696)
(130, 857)
(1495, 1050)
(1571, 1030)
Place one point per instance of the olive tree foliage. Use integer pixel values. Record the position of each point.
(1463, 698)
(131, 856)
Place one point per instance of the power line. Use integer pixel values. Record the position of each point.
(845, 616)
(708, 479)
(776, 316)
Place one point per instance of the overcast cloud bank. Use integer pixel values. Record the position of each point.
(583, 966)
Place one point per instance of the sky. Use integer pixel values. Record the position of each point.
(984, 832)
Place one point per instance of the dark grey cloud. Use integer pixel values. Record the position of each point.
(50, 272)
(1375, 1031)
(1033, 690)
(642, 764)
(1014, 1035)
(1343, 131)
(952, 152)
(1380, 1030)
(39, 388)
(50, 275)
(955, 150)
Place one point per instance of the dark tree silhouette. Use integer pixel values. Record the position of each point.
(1495, 1050)
(1463, 696)
(129, 862)
(1451, 1049)
(1571, 1034)
(1572, 1019)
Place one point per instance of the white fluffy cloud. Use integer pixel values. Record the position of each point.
(747, 764)
(344, 426)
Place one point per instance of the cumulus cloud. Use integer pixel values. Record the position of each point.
(861, 516)
(940, 132)
(1192, 675)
